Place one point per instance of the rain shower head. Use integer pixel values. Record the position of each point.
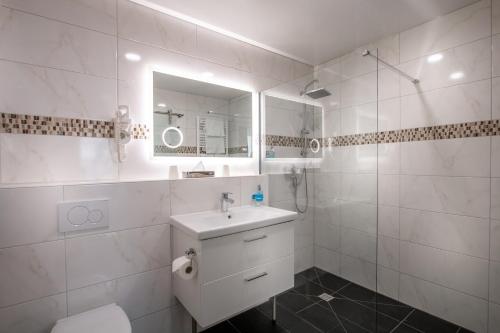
(315, 93)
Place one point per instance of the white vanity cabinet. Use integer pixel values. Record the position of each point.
(235, 271)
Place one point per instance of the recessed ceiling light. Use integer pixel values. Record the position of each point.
(434, 58)
(457, 75)
(133, 57)
(162, 105)
(207, 74)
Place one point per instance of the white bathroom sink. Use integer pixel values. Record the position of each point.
(210, 224)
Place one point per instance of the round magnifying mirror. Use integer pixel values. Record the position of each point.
(172, 137)
(314, 145)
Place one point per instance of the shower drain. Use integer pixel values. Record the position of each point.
(326, 297)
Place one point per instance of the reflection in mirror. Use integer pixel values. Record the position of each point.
(293, 129)
(195, 118)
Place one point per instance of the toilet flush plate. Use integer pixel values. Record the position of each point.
(83, 215)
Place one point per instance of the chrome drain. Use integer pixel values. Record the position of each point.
(326, 297)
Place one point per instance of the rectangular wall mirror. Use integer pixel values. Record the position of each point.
(195, 118)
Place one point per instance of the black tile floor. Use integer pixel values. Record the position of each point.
(352, 309)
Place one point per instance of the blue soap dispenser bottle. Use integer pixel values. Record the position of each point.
(258, 197)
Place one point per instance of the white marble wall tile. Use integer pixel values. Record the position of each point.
(138, 295)
(388, 252)
(495, 282)
(131, 205)
(57, 159)
(455, 195)
(29, 215)
(195, 195)
(455, 157)
(495, 198)
(327, 210)
(354, 64)
(388, 190)
(388, 282)
(388, 84)
(459, 27)
(494, 318)
(473, 60)
(389, 114)
(234, 53)
(97, 15)
(327, 260)
(303, 259)
(120, 254)
(55, 92)
(327, 235)
(359, 159)
(495, 156)
(326, 185)
(388, 221)
(145, 25)
(495, 240)
(249, 186)
(388, 158)
(359, 90)
(468, 311)
(495, 109)
(496, 55)
(359, 216)
(358, 244)
(37, 316)
(332, 123)
(32, 271)
(496, 19)
(461, 103)
(463, 234)
(359, 188)
(359, 119)
(440, 267)
(303, 232)
(358, 271)
(172, 320)
(39, 41)
(330, 72)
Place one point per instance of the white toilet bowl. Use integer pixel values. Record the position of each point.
(106, 319)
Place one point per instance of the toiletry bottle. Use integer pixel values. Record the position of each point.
(258, 197)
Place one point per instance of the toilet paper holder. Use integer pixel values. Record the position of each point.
(190, 253)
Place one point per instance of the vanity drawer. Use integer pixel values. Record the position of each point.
(225, 297)
(224, 256)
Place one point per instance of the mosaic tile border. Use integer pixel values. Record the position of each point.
(47, 125)
(439, 132)
(284, 141)
(184, 150)
(43, 125)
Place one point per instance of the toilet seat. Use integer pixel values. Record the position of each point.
(106, 319)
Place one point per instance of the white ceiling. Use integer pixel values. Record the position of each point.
(313, 31)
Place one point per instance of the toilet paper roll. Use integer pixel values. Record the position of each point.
(185, 268)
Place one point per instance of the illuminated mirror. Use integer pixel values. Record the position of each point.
(195, 118)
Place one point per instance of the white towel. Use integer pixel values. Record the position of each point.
(215, 127)
(215, 145)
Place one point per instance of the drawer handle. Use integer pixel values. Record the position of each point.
(256, 277)
(254, 239)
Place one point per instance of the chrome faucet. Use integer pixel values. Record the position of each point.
(225, 201)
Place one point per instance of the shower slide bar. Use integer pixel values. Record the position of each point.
(391, 67)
